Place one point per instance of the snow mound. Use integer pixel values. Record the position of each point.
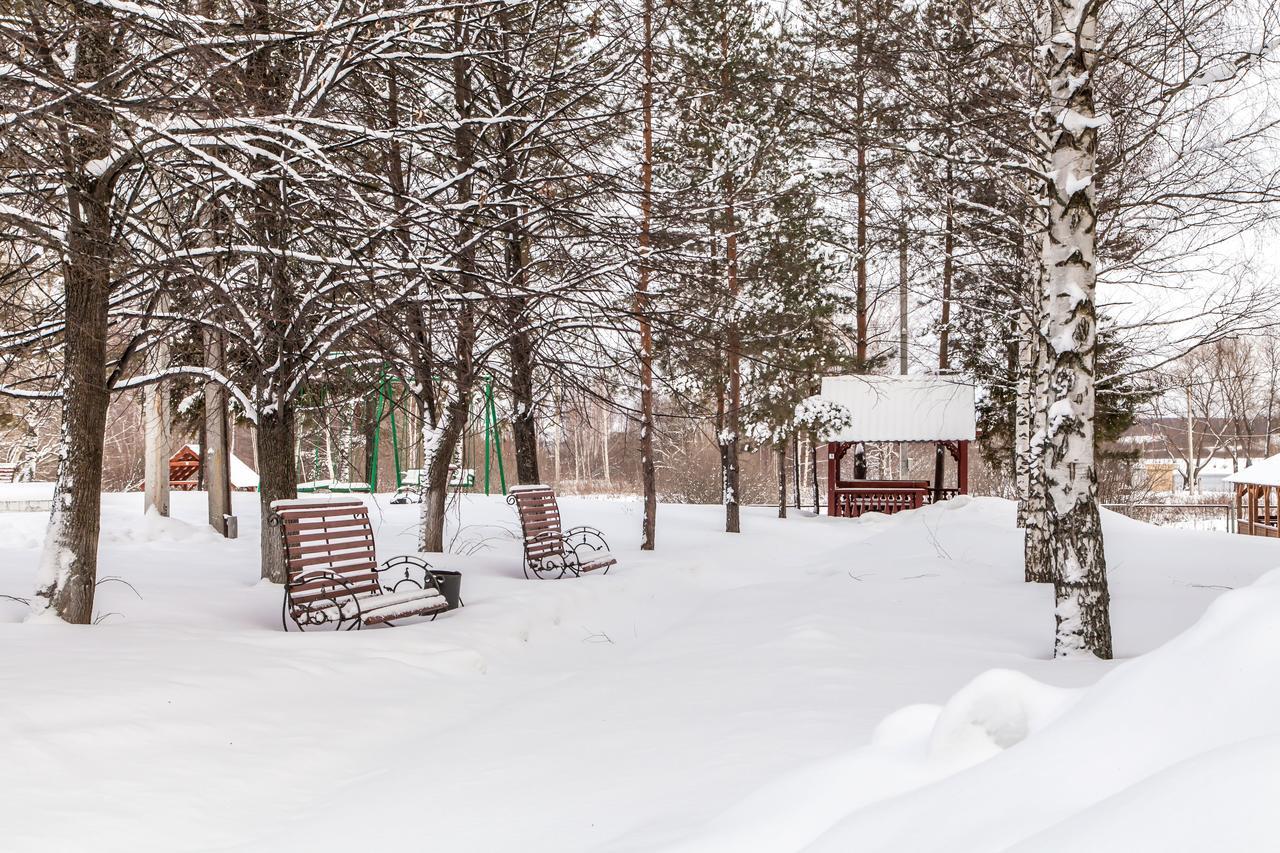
(1176, 750)
(995, 711)
(154, 527)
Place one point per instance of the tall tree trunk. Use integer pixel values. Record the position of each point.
(277, 480)
(68, 569)
(1069, 333)
(795, 468)
(1033, 391)
(729, 437)
(524, 427)
(441, 446)
(781, 450)
(648, 469)
(217, 430)
(157, 432)
(606, 428)
(270, 226)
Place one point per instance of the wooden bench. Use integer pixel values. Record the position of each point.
(333, 579)
(549, 551)
(8, 472)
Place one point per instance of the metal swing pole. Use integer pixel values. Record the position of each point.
(497, 441)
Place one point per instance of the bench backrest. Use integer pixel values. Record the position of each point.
(8, 472)
(329, 535)
(539, 519)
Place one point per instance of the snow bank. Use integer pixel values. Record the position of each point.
(1178, 750)
(724, 693)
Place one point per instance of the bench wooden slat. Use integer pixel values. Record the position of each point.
(343, 524)
(334, 547)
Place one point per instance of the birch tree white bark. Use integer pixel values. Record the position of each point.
(1068, 326)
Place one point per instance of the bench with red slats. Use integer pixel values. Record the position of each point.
(334, 580)
(550, 551)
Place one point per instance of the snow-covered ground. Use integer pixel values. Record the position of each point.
(812, 684)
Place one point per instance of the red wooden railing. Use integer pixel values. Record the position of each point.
(887, 496)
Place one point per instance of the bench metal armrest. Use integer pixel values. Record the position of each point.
(413, 571)
(585, 537)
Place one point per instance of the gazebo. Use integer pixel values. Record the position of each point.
(933, 410)
(184, 471)
(1257, 498)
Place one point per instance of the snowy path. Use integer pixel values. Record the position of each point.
(617, 713)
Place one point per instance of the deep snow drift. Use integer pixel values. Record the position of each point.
(812, 684)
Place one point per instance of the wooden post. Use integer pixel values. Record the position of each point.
(833, 476)
(216, 455)
(938, 452)
(962, 468)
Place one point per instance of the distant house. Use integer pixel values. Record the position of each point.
(1161, 450)
(184, 471)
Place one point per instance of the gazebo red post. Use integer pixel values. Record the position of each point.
(833, 475)
(962, 469)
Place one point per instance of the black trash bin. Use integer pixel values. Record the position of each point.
(450, 586)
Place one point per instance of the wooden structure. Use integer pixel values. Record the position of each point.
(184, 471)
(334, 581)
(931, 410)
(8, 472)
(549, 551)
(1257, 498)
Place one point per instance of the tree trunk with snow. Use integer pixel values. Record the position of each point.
(524, 427)
(217, 431)
(346, 441)
(439, 445)
(781, 450)
(648, 469)
(1069, 334)
(157, 432)
(1033, 392)
(277, 480)
(69, 563)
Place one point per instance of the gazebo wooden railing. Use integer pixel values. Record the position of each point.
(1257, 510)
(852, 498)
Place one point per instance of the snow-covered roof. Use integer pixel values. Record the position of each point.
(903, 408)
(1263, 473)
(242, 476)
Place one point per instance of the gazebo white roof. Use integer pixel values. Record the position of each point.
(1263, 473)
(903, 408)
